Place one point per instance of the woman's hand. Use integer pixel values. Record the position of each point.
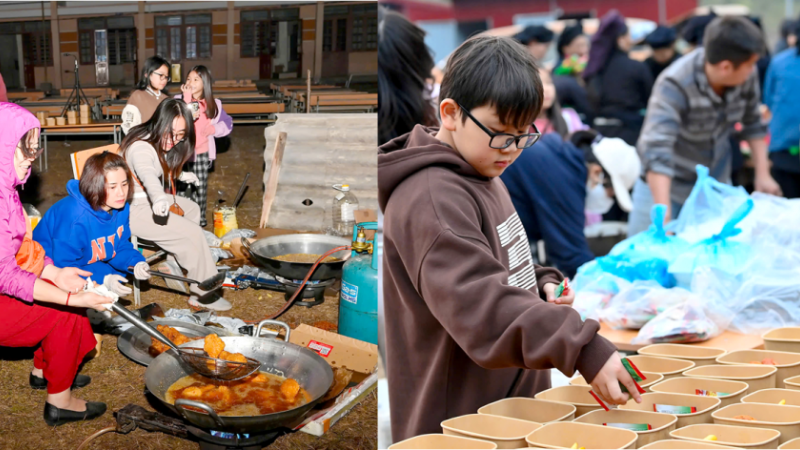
(141, 271)
(70, 279)
(90, 300)
(565, 299)
(115, 284)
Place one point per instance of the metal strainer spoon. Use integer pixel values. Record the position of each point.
(196, 358)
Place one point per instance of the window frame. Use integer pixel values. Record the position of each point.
(200, 29)
(119, 34)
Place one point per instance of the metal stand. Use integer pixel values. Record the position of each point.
(77, 94)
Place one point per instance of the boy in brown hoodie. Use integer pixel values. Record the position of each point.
(470, 319)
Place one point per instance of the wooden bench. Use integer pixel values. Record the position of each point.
(94, 92)
(112, 110)
(102, 128)
(253, 108)
(319, 97)
(30, 96)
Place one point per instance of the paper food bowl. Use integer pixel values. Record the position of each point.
(735, 436)
(578, 396)
(681, 444)
(758, 377)
(785, 339)
(701, 356)
(503, 431)
(531, 409)
(650, 378)
(705, 406)
(442, 442)
(792, 383)
(662, 423)
(669, 367)
(565, 434)
(791, 445)
(787, 363)
(785, 419)
(774, 397)
(688, 385)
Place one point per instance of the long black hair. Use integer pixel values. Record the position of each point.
(404, 63)
(553, 113)
(158, 129)
(208, 95)
(151, 64)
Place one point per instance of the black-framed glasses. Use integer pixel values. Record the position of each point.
(161, 76)
(177, 140)
(500, 141)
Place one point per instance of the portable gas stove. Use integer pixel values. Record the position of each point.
(313, 289)
(132, 416)
(252, 277)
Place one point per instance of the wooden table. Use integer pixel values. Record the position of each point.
(727, 340)
(107, 128)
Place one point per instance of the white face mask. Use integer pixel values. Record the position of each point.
(596, 199)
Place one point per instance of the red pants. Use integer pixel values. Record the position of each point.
(65, 334)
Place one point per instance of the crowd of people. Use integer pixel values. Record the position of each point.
(87, 234)
(517, 151)
(656, 123)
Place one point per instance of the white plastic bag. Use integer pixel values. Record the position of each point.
(682, 323)
(636, 305)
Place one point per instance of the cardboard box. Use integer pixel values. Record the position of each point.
(340, 351)
(319, 422)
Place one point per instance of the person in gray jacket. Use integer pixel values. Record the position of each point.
(694, 106)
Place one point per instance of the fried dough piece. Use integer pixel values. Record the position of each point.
(341, 378)
(744, 417)
(234, 357)
(289, 389)
(213, 345)
(193, 392)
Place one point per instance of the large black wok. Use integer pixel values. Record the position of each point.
(277, 357)
(264, 250)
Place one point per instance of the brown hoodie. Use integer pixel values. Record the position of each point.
(463, 310)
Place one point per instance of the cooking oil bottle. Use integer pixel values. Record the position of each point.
(342, 210)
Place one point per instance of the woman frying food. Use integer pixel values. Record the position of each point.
(35, 311)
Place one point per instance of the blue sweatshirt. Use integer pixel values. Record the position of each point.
(75, 235)
(547, 184)
(782, 97)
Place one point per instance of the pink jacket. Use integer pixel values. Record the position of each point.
(15, 121)
(223, 124)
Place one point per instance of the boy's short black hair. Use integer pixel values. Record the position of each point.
(734, 39)
(494, 71)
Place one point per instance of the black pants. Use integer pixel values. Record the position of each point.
(786, 172)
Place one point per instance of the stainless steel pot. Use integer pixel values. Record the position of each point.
(277, 357)
(264, 250)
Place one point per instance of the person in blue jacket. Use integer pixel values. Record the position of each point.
(89, 229)
(555, 183)
(547, 185)
(781, 94)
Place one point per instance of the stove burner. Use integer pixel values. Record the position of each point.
(132, 416)
(313, 289)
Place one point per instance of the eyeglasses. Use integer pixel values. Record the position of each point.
(500, 141)
(160, 76)
(177, 139)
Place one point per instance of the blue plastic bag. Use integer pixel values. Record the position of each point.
(718, 251)
(647, 255)
(707, 207)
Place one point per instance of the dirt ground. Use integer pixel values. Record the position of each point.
(118, 381)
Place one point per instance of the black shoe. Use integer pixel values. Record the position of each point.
(41, 383)
(57, 416)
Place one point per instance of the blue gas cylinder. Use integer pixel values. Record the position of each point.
(358, 301)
